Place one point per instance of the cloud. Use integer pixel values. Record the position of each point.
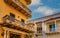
(58, 3)
(36, 2)
(46, 10)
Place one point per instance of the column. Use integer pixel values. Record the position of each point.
(43, 30)
(55, 26)
(35, 28)
(5, 34)
(22, 36)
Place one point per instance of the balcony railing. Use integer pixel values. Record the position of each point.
(57, 30)
(15, 22)
(21, 5)
(17, 4)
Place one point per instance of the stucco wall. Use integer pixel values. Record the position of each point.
(6, 9)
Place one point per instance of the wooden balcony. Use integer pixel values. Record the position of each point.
(16, 24)
(19, 6)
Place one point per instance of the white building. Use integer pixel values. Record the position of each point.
(46, 27)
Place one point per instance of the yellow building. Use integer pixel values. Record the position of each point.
(47, 27)
(13, 15)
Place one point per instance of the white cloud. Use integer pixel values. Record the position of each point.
(46, 10)
(36, 2)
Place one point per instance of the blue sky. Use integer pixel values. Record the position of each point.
(41, 8)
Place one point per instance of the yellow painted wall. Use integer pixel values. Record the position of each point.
(6, 9)
(1, 31)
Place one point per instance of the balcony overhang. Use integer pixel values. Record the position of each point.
(52, 33)
(12, 26)
(28, 2)
(20, 7)
(15, 24)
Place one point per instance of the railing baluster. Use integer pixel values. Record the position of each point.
(19, 23)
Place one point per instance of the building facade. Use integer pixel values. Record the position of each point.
(13, 16)
(47, 27)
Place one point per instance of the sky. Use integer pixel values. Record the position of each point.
(42, 8)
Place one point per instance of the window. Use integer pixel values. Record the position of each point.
(39, 29)
(14, 36)
(12, 15)
(22, 21)
(52, 27)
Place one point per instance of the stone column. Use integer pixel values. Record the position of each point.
(43, 30)
(35, 28)
(5, 34)
(8, 34)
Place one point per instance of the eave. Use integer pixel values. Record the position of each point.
(20, 7)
